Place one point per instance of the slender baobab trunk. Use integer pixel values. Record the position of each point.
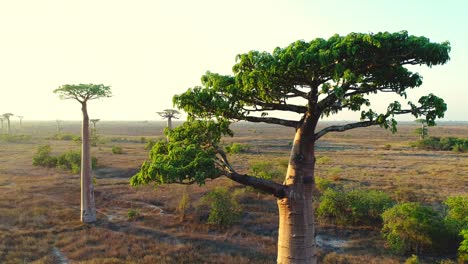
(9, 128)
(296, 237)
(169, 123)
(88, 208)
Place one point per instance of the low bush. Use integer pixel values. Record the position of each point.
(322, 160)
(412, 260)
(355, 207)
(413, 228)
(15, 138)
(43, 157)
(463, 248)
(438, 143)
(133, 214)
(235, 148)
(267, 170)
(323, 184)
(70, 160)
(224, 210)
(64, 136)
(117, 150)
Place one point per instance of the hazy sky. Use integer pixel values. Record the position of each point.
(149, 50)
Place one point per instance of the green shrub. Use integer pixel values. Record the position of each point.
(463, 248)
(15, 138)
(447, 143)
(224, 210)
(266, 170)
(457, 213)
(412, 260)
(236, 148)
(323, 184)
(322, 160)
(117, 150)
(413, 228)
(133, 214)
(63, 136)
(70, 160)
(353, 208)
(43, 157)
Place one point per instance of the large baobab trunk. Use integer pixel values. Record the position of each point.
(88, 208)
(296, 237)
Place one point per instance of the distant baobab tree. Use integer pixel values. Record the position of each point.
(21, 121)
(59, 126)
(169, 114)
(83, 93)
(422, 131)
(1, 120)
(94, 136)
(7, 117)
(94, 121)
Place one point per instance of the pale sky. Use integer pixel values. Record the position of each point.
(149, 50)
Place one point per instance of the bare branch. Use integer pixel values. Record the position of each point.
(343, 128)
(271, 120)
(271, 187)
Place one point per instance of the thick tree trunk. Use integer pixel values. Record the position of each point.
(88, 208)
(296, 238)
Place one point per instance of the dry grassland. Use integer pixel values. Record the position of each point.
(39, 207)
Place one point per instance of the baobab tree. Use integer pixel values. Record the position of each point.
(169, 114)
(84, 93)
(21, 121)
(7, 116)
(422, 131)
(310, 80)
(1, 120)
(59, 126)
(94, 121)
(94, 135)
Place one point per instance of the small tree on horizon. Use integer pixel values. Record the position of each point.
(422, 131)
(20, 121)
(311, 80)
(7, 116)
(84, 93)
(94, 134)
(169, 114)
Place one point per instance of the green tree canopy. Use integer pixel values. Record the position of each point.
(327, 75)
(83, 92)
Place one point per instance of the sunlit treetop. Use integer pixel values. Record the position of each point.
(83, 92)
(328, 76)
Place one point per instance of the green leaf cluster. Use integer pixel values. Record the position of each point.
(188, 157)
(83, 92)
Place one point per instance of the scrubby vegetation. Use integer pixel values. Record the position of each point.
(70, 160)
(15, 138)
(356, 207)
(234, 148)
(442, 143)
(413, 228)
(66, 136)
(117, 150)
(267, 170)
(224, 209)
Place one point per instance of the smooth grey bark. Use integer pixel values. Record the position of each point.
(88, 207)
